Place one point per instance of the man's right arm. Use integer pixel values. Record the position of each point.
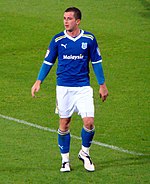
(48, 62)
(45, 68)
(35, 87)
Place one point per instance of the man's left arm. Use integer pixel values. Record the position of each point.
(98, 70)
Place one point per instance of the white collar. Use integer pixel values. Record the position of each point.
(72, 38)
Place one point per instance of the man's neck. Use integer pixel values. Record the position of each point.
(74, 33)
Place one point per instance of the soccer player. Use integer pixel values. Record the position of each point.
(75, 49)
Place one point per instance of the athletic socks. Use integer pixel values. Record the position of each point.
(64, 144)
(87, 137)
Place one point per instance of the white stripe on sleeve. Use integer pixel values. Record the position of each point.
(97, 62)
(47, 63)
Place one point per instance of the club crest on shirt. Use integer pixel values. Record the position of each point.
(84, 45)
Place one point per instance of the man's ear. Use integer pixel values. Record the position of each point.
(78, 21)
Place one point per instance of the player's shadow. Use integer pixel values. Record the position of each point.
(141, 160)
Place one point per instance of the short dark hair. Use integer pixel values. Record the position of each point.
(77, 12)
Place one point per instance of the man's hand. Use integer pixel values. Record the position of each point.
(103, 91)
(35, 87)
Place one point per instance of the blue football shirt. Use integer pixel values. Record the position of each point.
(74, 55)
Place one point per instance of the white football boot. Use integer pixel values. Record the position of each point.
(65, 167)
(88, 165)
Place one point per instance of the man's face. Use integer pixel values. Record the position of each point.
(70, 22)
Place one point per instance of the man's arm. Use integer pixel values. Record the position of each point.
(103, 91)
(35, 87)
(98, 70)
(45, 68)
(48, 62)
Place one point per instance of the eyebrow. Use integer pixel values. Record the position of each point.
(68, 17)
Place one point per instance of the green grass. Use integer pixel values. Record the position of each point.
(30, 155)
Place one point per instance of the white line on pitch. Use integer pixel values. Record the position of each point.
(76, 137)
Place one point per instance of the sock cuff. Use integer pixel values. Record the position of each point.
(63, 133)
(87, 130)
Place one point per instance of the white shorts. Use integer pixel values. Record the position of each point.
(75, 99)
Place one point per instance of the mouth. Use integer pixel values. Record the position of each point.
(66, 26)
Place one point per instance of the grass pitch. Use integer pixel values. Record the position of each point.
(30, 155)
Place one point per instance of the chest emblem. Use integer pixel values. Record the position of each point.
(64, 45)
(84, 45)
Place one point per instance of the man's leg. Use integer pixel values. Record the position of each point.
(64, 143)
(87, 135)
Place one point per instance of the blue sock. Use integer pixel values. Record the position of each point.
(87, 136)
(64, 141)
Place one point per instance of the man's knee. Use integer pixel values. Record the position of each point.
(64, 124)
(88, 122)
